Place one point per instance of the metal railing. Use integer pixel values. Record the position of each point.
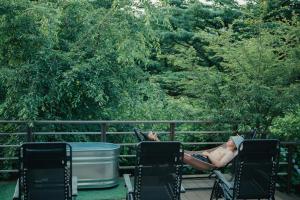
(103, 132)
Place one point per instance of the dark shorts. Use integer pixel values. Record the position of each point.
(201, 157)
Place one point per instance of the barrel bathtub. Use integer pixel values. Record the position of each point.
(95, 164)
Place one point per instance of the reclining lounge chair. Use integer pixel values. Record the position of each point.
(157, 173)
(190, 157)
(45, 172)
(255, 172)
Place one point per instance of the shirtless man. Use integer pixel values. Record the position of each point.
(218, 157)
(224, 154)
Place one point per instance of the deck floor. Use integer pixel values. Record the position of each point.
(196, 189)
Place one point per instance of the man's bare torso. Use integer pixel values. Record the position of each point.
(220, 156)
(219, 153)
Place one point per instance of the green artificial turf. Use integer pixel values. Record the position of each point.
(115, 193)
(7, 190)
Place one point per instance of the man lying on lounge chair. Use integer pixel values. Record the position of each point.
(217, 157)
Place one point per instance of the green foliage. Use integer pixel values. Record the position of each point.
(233, 65)
(124, 60)
(182, 50)
(287, 127)
(69, 60)
(129, 60)
(259, 81)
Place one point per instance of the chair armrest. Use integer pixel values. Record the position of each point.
(221, 177)
(74, 186)
(128, 184)
(16, 193)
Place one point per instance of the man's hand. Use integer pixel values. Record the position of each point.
(152, 136)
(205, 153)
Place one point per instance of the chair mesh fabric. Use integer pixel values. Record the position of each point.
(255, 171)
(158, 171)
(258, 162)
(44, 171)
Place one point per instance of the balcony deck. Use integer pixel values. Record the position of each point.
(196, 189)
(194, 193)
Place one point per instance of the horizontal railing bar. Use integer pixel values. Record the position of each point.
(177, 132)
(184, 143)
(8, 145)
(202, 132)
(9, 170)
(66, 133)
(127, 167)
(282, 173)
(128, 133)
(21, 133)
(14, 121)
(126, 122)
(127, 156)
(127, 144)
(16, 158)
(82, 133)
(9, 158)
(110, 121)
(115, 133)
(283, 163)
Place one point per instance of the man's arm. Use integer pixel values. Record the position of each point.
(223, 161)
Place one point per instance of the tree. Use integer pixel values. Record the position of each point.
(260, 80)
(70, 60)
(181, 50)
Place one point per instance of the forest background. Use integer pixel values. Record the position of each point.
(139, 60)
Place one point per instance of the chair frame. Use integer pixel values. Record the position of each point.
(222, 186)
(134, 192)
(70, 182)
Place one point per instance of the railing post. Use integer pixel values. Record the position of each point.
(172, 131)
(290, 167)
(103, 132)
(29, 132)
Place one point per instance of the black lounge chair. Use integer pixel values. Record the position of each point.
(157, 173)
(45, 172)
(255, 171)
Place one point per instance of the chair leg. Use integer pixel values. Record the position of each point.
(214, 191)
(129, 196)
